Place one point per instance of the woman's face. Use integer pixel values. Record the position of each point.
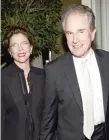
(20, 48)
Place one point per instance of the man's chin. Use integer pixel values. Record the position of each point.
(79, 55)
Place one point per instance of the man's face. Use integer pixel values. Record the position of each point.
(78, 33)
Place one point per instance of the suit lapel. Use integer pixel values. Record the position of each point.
(36, 91)
(72, 79)
(16, 91)
(104, 77)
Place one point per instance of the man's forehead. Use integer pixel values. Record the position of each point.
(76, 16)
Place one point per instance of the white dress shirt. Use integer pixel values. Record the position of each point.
(96, 84)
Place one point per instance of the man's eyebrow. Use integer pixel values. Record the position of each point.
(72, 32)
(68, 32)
(81, 29)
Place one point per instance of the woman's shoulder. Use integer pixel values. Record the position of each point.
(6, 70)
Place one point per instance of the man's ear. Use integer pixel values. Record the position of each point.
(93, 34)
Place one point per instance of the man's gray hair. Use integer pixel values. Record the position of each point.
(78, 9)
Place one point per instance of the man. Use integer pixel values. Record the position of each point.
(77, 83)
(107, 120)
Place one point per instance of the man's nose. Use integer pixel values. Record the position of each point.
(75, 39)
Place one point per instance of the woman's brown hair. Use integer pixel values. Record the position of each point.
(15, 30)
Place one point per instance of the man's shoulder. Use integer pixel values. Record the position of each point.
(58, 62)
(56, 67)
(102, 52)
(37, 70)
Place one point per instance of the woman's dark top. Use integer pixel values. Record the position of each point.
(29, 123)
(21, 111)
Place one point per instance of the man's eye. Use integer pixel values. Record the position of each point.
(81, 31)
(69, 33)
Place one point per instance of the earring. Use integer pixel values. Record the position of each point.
(10, 54)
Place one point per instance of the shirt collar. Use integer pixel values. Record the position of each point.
(86, 58)
(17, 69)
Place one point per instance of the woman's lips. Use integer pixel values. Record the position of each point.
(21, 54)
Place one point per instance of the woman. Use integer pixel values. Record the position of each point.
(22, 89)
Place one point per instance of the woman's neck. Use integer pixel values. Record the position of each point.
(24, 66)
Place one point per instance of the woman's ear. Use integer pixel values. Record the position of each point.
(9, 52)
(31, 49)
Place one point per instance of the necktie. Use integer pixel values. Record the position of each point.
(87, 99)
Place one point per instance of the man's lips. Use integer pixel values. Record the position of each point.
(77, 46)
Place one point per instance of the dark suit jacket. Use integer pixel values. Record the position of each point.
(63, 111)
(107, 118)
(14, 112)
